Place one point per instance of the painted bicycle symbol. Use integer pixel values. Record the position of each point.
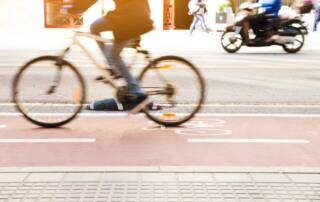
(202, 127)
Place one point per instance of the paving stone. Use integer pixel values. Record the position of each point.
(231, 177)
(159, 177)
(82, 177)
(308, 178)
(138, 187)
(45, 177)
(13, 177)
(269, 177)
(195, 177)
(123, 177)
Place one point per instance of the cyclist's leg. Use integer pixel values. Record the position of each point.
(117, 62)
(100, 25)
(112, 54)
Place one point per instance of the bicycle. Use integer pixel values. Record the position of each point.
(60, 101)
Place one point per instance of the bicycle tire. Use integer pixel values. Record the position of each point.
(28, 115)
(201, 90)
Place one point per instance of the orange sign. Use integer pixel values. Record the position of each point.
(168, 15)
(56, 15)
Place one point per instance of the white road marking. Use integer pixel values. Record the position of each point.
(97, 114)
(271, 105)
(107, 114)
(65, 140)
(207, 63)
(203, 127)
(256, 141)
(2, 126)
(209, 123)
(204, 132)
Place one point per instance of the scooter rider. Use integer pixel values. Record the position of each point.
(268, 9)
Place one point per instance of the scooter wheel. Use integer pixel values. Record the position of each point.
(231, 42)
(297, 44)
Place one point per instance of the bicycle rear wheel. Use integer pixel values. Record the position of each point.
(176, 87)
(49, 92)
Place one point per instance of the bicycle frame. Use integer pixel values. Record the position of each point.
(107, 78)
(166, 117)
(77, 42)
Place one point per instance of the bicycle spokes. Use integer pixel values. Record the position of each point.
(176, 86)
(49, 95)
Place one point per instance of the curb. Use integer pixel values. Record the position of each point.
(163, 169)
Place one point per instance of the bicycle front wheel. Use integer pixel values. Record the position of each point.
(49, 92)
(175, 87)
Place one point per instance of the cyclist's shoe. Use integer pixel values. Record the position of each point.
(130, 106)
(112, 105)
(132, 98)
(103, 105)
(136, 102)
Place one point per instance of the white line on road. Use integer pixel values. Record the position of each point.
(271, 105)
(107, 114)
(207, 64)
(2, 126)
(65, 140)
(262, 141)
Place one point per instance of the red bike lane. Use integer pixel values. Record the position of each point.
(207, 140)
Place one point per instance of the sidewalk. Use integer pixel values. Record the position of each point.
(157, 41)
(159, 184)
(53, 39)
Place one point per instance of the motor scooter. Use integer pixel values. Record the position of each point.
(284, 32)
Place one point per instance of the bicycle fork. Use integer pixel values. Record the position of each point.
(57, 77)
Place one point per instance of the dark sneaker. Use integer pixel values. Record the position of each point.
(104, 105)
(112, 105)
(135, 102)
(132, 98)
(130, 106)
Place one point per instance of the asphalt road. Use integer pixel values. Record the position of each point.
(255, 80)
(261, 109)
(117, 140)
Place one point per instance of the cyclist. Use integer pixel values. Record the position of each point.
(129, 20)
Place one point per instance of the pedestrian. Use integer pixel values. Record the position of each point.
(316, 14)
(198, 9)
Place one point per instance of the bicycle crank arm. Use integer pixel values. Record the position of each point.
(139, 107)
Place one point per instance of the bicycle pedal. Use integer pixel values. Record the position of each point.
(114, 74)
(99, 78)
(102, 79)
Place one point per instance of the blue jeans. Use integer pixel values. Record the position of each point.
(112, 54)
(196, 19)
(316, 19)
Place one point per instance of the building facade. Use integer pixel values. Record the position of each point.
(40, 14)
